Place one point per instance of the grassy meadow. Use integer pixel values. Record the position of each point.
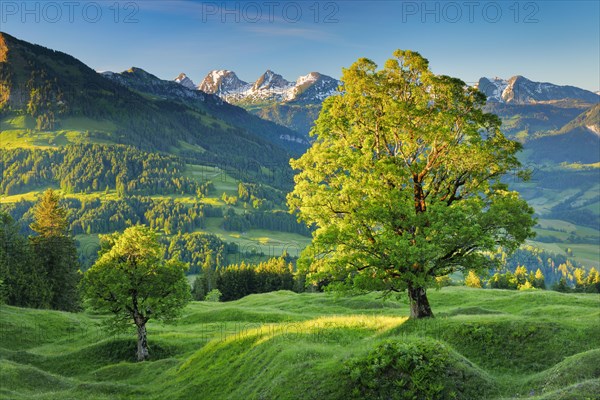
(487, 344)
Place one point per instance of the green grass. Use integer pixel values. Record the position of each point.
(19, 131)
(87, 124)
(271, 243)
(298, 346)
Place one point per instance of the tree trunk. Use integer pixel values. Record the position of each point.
(419, 305)
(142, 343)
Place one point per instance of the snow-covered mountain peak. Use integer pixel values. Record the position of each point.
(271, 81)
(271, 87)
(310, 78)
(185, 81)
(221, 82)
(493, 88)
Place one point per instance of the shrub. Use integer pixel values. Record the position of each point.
(417, 369)
(214, 296)
(442, 281)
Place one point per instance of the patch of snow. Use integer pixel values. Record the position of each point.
(594, 128)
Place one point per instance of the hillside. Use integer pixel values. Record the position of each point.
(149, 85)
(131, 148)
(51, 99)
(485, 344)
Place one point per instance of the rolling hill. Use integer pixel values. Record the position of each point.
(485, 344)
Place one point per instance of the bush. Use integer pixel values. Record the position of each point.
(417, 369)
(526, 286)
(443, 281)
(214, 296)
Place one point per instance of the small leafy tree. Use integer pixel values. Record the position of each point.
(403, 182)
(526, 286)
(539, 281)
(472, 280)
(593, 281)
(132, 280)
(213, 296)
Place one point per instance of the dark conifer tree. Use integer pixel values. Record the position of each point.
(56, 252)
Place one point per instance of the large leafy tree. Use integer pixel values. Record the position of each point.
(403, 181)
(56, 252)
(132, 280)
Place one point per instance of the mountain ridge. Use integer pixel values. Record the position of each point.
(520, 90)
(270, 87)
(297, 104)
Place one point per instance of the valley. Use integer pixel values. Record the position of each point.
(222, 145)
(336, 200)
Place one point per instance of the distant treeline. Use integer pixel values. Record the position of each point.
(91, 167)
(270, 220)
(92, 216)
(553, 266)
(238, 280)
(201, 250)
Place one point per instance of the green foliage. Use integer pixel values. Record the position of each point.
(503, 281)
(403, 181)
(269, 220)
(416, 369)
(42, 272)
(24, 279)
(443, 281)
(131, 268)
(199, 288)
(92, 168)
(132, 281)
(50, 219)
(46, 100)
(239, 280)
(202, 251)
(94, 215)
(214, 296)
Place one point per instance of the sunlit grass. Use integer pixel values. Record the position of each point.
(294, 346)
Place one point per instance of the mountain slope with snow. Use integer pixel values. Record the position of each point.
(183, 80)
(520, 90)
(294, 104)
(221, 82)
(269, 87)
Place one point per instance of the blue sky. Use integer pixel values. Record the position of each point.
(550, 41)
